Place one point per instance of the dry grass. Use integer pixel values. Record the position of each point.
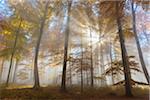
(54, 93)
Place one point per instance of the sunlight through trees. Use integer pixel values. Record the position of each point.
(90, 44)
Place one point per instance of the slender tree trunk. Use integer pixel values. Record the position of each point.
(103, 80)
(63, 83)
(70, 70)
(16, 66)
(138, 44)
(36, 74)
(91, 50)
(127, 73)
(91, 56)
(87, 77)
(145, 33)
(81, 64)
(2, 66)
(110, 53)
(70, 73)
(13, 52)
(101, 59)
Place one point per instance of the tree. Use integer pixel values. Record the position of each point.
(42, 24)
(63, 83)
(81, 64)
(90, 19)
(116, 67)
(16, 66)
(13, 51)
(2, 65)
(111, 60)
(124, 52)
(16, 32)
(138, 43)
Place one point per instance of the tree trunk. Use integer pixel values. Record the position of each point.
(145, 33)
(91, 56)
(127, 73)
(63, 83)
(13, 52)
(36, 74)
(110, 53)
(103, 80)
(16, 66)
(87, 77)
(2, 66)
(70, 69)
(81, 64)
(70, 73)
(138, 44)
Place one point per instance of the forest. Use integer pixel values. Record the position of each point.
(74, 49)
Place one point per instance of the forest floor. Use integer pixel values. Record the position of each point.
(54, 93)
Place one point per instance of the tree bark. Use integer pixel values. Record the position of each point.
(138, 44)
(127, 73)
(63, 83)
